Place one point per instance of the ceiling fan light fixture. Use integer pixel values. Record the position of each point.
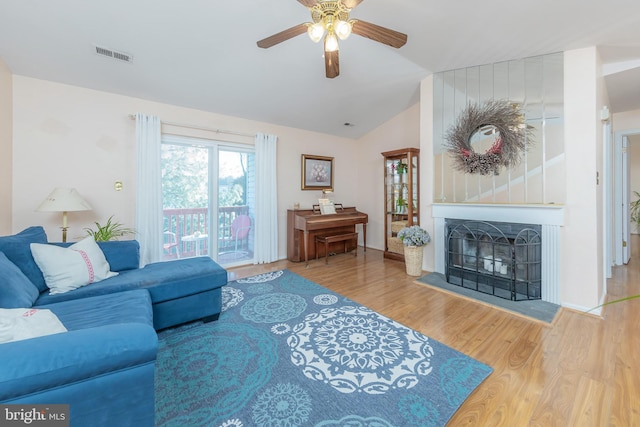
(343, 29)
(330, 42)
(330, 20)
(315, 31)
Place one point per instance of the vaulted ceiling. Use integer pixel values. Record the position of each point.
(203, 54)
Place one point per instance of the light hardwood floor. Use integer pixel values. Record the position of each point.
(582, 370)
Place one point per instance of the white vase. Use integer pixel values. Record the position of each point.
(413, 260)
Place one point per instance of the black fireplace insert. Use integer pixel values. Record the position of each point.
(497, 258)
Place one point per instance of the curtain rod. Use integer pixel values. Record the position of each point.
(228, 132)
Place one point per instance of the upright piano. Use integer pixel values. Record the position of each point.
(303, 225)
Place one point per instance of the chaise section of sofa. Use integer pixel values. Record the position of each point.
(102, 367)
(181, 291)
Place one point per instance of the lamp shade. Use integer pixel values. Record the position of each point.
(330, 42)
(64, 200)
(315, 31)
(343, 29)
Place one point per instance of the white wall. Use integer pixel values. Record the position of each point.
(581, 251)
(628, 120)
(6, 136)
(402, 131)
(602, 101)
(427, 190)
(70, 136)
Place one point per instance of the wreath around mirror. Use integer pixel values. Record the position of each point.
(505, 121)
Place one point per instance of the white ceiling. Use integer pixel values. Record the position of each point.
(203, 54)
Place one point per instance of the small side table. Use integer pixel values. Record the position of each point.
(197, 238)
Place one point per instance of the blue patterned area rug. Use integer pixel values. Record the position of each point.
(289, 352)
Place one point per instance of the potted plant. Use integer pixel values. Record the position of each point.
(414, 238)
(110, 231)
(634, 210)
(402, 167)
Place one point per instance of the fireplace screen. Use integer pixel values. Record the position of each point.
(501, 259)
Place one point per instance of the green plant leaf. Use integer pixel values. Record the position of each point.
(634, 209)
(614, 302)
(110, 231)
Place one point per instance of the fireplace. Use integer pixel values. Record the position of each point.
(497, 258)
(549, 218)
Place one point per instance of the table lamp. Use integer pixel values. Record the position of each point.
(64, 200)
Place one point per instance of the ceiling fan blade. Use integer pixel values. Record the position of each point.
(283, 36)
(308, 3)
(350, 4)
(331, 64)
(379, 34)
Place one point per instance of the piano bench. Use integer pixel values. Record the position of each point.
(344, 237)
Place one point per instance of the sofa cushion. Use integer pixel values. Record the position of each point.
(66, 269)
(110, 309)
(16, 290)
(164, 280)
(120, 254)
(16, 248)
(187, 277)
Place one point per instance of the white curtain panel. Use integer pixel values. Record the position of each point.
(148, 218)
(266, 243)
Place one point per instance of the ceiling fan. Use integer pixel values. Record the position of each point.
(331, 20)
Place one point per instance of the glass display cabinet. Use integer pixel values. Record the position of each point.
(401, 195)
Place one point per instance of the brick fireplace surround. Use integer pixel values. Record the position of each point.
(550, 218)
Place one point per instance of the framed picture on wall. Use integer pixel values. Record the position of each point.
(317, 172)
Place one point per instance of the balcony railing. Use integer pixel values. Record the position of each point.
(187, 234)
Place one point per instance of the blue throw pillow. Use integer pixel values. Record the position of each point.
(17, 249)
(120, 254)
(16, 291)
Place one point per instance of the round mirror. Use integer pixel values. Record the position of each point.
(483, 137)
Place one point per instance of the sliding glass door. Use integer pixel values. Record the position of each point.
(236, 205)
(208, 200)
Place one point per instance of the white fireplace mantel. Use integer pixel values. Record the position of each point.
(550, 217)
(522, 213)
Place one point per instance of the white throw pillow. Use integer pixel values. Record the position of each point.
(22, 323)
(66, 269)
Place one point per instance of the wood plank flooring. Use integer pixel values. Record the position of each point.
(582, 370)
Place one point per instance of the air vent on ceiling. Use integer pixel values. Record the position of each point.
(110, 53)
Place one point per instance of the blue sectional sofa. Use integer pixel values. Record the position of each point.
(103, 366)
